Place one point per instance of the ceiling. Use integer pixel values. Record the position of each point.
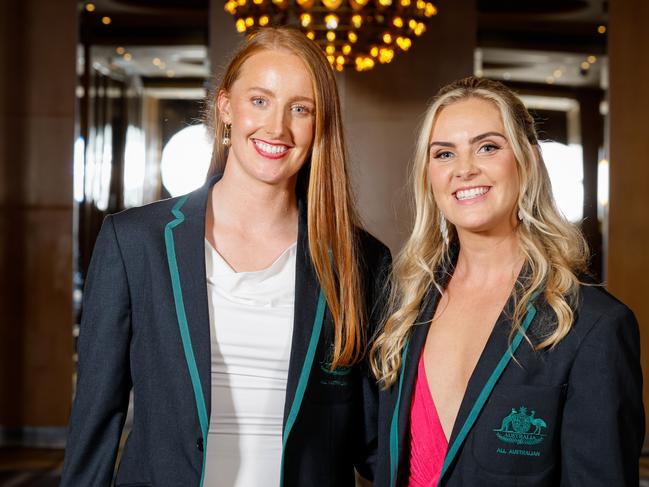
(529, 41)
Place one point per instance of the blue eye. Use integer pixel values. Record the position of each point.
(443, 155)
(258, 101)
(300, 109)
(488, 148)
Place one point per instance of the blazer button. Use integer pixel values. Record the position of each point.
(199, 444)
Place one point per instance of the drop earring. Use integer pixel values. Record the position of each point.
(227, 128)
(521, 216)
(443, 228)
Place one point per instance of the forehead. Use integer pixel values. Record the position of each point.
(470, 117)
(278, 70)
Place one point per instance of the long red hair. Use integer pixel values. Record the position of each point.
(330, 210)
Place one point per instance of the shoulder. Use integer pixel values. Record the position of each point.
(148, 220)
(375, 264)
(158, 211)
(596, 304)
(372, 252)
(601, 316)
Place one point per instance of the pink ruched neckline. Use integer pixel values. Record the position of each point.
(428, 442)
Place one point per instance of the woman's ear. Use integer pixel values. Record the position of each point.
(223, 106)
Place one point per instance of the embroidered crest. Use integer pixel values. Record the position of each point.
(521, 428)
(336, 376)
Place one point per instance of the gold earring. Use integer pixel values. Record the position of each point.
(226, 135)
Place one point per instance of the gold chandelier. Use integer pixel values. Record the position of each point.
(359, 33)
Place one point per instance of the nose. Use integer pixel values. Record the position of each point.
(276, 124)
(465, 167)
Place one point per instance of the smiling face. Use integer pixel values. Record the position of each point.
(472, 169)
(271, 109)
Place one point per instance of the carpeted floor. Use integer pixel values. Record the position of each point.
(30, 467)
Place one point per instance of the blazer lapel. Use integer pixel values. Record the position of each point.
(409, 372)
(309, 311)
(494, 359)
(185, 237)
(493, 351)
(307, 290)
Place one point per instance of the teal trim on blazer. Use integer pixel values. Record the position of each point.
(479, 403)
(394, 425)
(182, 323)
(475, 410)
(304, 376)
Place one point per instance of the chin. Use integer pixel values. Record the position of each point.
(272, 175)
(475, 223)
(487, 228)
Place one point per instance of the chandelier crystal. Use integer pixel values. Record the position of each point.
(359, 33)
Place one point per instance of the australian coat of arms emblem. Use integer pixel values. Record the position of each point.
(335, 377)
(521, 428)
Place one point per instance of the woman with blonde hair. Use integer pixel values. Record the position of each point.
(499, 366)
(237, 314)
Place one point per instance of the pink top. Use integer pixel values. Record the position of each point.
(428, 442)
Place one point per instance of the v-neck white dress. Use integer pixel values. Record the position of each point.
(251, 323)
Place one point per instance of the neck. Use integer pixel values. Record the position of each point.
(485, 259)
(250, 206)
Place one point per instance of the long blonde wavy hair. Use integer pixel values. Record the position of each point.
(323, 179)
(555, 251)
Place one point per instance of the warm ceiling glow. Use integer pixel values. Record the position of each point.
(348, 31)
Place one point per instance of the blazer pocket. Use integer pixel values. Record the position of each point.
(518, 432)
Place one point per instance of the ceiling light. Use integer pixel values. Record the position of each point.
(353, 33)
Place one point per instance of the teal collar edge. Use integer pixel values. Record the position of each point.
(394, 425)
(478, 405)
(182, 323)
(475, 410)
(304, 376)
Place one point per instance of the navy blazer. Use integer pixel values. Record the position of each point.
(145, 326)
(571, 416)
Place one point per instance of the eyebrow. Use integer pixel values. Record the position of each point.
(270, 93)
(473, 140)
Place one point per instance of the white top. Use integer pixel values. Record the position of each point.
(251, 323)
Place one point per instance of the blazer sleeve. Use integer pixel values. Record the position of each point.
(103, 374)
(365, 461)
(603, 421)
